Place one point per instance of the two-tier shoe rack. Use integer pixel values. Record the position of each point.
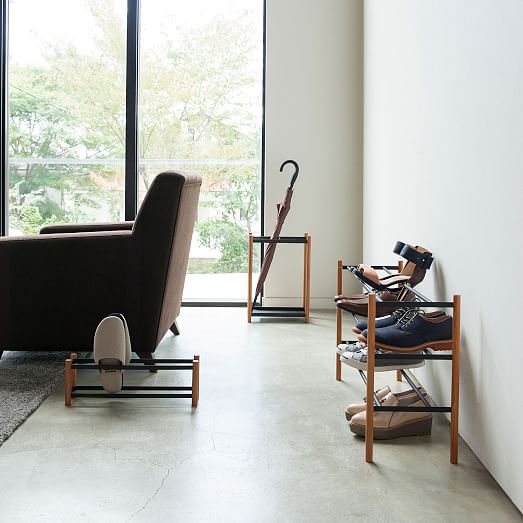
(74, 364)
(373, 404)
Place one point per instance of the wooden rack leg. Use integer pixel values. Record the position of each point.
(307, 277)
(73, 356)
(195, 380)
(339, 290)
(456, 348)
(371, 345)
(249, 280)
(68, 388)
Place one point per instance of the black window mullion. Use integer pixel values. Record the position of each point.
(131, 109)
(4, 118)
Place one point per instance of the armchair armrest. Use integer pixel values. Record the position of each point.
(86, 227)
(55, 288)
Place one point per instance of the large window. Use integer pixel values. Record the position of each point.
(66, 112)
(200, 105)
(199, 108)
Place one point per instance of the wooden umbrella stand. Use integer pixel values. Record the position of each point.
(257, 309)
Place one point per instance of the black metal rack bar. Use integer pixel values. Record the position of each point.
(414, 304)
(281, 239)
(260, 307)
(386, 268)
(124, 395)
(139, 360)
(144, 366)
(132, 387)
(412, 409)
(412, 356)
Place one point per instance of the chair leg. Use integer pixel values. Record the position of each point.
(148, 358)
(175, 329)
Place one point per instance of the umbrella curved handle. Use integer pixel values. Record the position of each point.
(296, 171)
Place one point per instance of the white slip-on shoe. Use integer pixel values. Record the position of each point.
(112, 346)
(358, 360)
(352, 346)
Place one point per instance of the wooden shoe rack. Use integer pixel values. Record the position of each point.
(373, 403)
(74, 364)
(258, 309)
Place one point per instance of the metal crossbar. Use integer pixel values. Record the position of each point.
(281, 239)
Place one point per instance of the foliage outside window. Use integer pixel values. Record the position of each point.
(67, 128)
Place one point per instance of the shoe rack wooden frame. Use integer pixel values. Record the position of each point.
(73, 364)
(372, 403)
(257, 309)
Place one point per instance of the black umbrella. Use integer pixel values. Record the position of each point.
(283, 209)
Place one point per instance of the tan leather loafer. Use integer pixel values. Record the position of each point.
(390, 425)
(404, 399)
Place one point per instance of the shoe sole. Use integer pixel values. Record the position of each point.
(392, 366)
(422, 427)
(434, 345)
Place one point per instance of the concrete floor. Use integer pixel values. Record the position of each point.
(268, 443)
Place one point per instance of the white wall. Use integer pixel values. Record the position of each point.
(444, 168)
(314, 115)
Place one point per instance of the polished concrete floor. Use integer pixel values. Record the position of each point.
(268, 443)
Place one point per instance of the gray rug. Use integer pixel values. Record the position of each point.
(26, 379)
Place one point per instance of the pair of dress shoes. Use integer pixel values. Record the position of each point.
(359, 303)
(414, 331)
(391, 425)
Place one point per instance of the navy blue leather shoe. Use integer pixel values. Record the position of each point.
(419, 332)
(385, 321)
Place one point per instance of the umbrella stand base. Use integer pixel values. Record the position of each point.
(278, 312)
(257, 309)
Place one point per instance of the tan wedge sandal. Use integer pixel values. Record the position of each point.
(391, 425)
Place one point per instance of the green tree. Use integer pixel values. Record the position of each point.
(193, 104)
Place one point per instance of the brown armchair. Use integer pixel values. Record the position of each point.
(56, 287)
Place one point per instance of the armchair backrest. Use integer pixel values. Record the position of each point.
(162, 235)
